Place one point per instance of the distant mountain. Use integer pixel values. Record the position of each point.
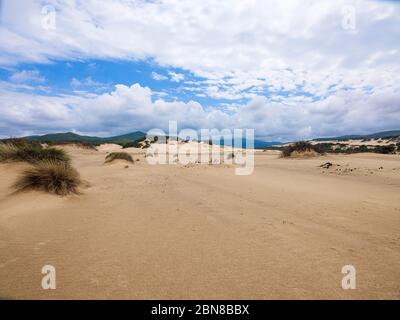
(73, 137)
(258, 144)
(377, 135)
(121, 139)
(138, 135)
(62, 137)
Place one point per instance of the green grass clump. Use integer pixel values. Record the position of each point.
(31, 152)
(83, 145)
(55, 177)
(301, 147)
(132, 144)
(19, 142)
(119, 156)
(388, 149)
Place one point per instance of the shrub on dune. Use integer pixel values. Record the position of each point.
(388, 149)
(30, 152)
(301, 148)
(51, 176)
(33, 155)
(119, 156)
(78, 144)
(19, 142)
(132, 144)
(7, 151)
(230, 155)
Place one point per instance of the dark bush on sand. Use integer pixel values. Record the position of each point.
(119, 156)
(301, 147)
(32, 152)
(51, 176)
(389, 149)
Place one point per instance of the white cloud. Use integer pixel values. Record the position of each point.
(176, 77)
(318, 77)
(138, 108)
(26, 76)
(173, 76)
(88, 84)
(286, 43)
(158, 77)
(75, 83)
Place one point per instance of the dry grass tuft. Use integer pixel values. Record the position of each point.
(301, 149)
(55, 177)
(119, 156)
(31, 152)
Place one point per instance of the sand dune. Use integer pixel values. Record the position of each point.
(191, 232)
(361, 142)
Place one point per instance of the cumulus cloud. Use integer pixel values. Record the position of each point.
(137, 108)
(176, 77)
(286, 43)
(88, 84)
(158, 77)
(301, 71)
(26, 76)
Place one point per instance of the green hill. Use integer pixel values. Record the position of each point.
(377, 135)
(73, 137)
(121, 139)
(138, 135)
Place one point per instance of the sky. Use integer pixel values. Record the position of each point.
(291, 70)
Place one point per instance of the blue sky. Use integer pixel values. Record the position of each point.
(100, 76)
(286, 69)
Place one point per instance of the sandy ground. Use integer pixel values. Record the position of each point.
(176, 232)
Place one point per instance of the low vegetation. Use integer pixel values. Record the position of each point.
(230, 155)
(119, 156)
(52, 176)
(338, 147)
(19, 142)
(348, 149)
(31, 152)
(388, 149)
(141, 143)
(132, 144)
(301, 148)
(51, 169)
(83, 145)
